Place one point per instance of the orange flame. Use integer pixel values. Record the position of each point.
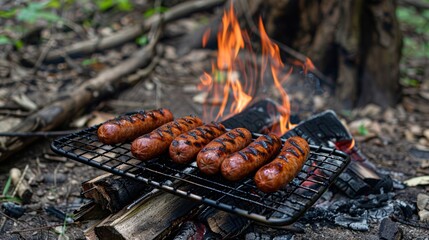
(206, 36)
(229, 80)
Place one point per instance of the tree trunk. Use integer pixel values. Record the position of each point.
(356, 43)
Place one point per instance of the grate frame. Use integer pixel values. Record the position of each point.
(243, 198)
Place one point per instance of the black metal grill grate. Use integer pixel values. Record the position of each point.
(280, 208)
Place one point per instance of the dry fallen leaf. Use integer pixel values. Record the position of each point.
(423, 206)
(412, 182)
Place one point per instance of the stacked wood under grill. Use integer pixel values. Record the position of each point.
(216, 150)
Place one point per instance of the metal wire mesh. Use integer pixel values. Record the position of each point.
(280, 208)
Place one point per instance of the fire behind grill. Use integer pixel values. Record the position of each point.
(280, 208)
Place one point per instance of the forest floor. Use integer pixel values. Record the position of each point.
(395, 139)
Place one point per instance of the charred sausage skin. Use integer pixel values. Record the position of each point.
(240, 164)
(210, 158)
(186, 146)
(276, 174)
(129, 127)
(157, 142)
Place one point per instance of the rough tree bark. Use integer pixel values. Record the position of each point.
(357, 43)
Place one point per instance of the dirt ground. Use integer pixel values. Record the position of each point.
(395, 139)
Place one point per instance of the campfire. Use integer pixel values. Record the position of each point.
(236, 80)
(145, 103)
(233, 93)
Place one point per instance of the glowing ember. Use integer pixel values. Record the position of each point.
(232, 81)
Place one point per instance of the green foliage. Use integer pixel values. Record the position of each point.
(408, 82)
(18, 44)
(5, 40)
(7, 13)
(419, 21)
(362, 130)
(10, 199)
(122, 5)
(413, 48)
(5, 197)
(89, 61)
(54, 4)
(36, 11)
(416, 26)
(143, 40)
(150, 12)
(7, 186)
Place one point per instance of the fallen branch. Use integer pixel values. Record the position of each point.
(131, 33)
(69, 105)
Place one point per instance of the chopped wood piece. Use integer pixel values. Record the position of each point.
(150, 219)
(113, 192)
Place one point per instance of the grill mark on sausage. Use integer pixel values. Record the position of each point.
(244, 156)
(295, 144)
(159, 131)
(293, 152)
(177, 124)
(264, 144)
(240, 133)
(193, 134)
(283, 157)
(221, 141)
(253, 151)
(202, 132)
(231, 135)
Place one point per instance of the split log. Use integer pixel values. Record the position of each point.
(71, 104)
(154, 218)
(113, 192)
(131, 33)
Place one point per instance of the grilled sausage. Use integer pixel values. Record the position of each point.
(127, 128)
(240, 164)
(276, 174)
(186, 146)
(157, 142)
(211, 156)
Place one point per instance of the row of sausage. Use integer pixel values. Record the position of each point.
(232, 153)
